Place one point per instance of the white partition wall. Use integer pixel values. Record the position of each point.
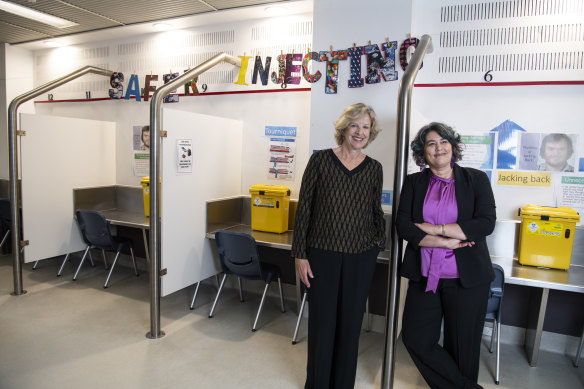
(57, 155)
(215, 173)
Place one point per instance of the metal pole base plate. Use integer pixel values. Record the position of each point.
(18, 294)
(150, 336)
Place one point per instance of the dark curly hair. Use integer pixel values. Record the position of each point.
(445, 131)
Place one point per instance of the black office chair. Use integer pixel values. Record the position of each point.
(494, 311)
(238, 255)
(300, 311)
(96, 234)
(192, 306)
(579, 352)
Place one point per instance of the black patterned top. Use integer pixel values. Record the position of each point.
(339, 209)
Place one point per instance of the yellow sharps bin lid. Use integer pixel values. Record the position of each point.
(270, 190)
(531, 211)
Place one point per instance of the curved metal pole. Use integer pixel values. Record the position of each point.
(155, 134)
(401, 159)
(13, 165)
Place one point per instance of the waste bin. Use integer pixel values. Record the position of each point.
(547, 236)
(145, 182)
(270, 207)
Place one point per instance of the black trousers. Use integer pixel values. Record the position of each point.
(337, 296)
(456, 364)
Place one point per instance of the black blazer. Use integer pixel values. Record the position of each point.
(476, 218)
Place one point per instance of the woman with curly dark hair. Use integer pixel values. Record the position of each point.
(445, 213)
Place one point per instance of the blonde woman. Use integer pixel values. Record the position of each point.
(339, 230)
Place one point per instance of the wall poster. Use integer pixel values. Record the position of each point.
(141, 150)
(570, 193)
(184, 156)
(282, 158)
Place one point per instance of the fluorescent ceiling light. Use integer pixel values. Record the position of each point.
(162, 26)
(35, 15)
(53, 44)
(275, 10)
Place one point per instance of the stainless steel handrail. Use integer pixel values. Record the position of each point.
(155, 133)
(401, 162)
(13, 165)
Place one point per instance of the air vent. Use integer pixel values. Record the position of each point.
(270, 32)
(567, 60)
(275, 50)
(513, 36)
(211, 38)
(509, 9)
(134, 48)
(93, 53)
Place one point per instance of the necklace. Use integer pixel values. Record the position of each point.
(347, 161)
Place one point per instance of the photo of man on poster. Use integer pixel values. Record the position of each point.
(145, 138)
(555, 152)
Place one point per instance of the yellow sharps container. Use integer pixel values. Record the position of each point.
(547, 236)
(145, 182)
(270, 207)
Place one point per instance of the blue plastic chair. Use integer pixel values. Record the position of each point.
(579, 352)
(96, 234)
(494, 311)
(238, 255)
(300, 311)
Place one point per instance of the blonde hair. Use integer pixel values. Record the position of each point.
(352, 113)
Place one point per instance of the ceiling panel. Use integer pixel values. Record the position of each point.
(139, 11)
(228, 4)
(94, 15)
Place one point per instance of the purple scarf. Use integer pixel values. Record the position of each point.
(439, 208)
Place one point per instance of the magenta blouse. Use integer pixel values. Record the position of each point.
(439, 208)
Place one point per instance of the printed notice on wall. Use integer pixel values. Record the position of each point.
(141, 150)
(478, 151)
(282, 158)
(184, 156)
(288, 132)
(524, 178)
(571, 194)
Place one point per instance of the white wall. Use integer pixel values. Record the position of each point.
(257, 111)
(254, 110)
(216, 156)
(340, 24)
(16, 77)
(49, 175)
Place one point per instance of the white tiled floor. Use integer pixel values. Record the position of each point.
(65, 334)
